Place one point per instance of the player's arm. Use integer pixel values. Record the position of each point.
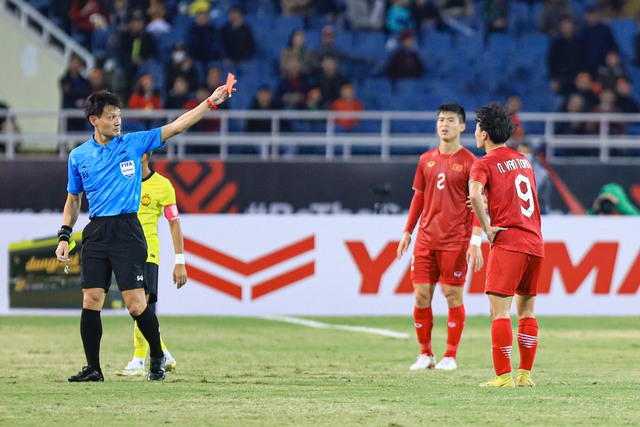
(474, 252)
(194, 115)
(179, 269)
(415, 210)
(477, 203)
(70, 215)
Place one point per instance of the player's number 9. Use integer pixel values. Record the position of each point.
(526, 195)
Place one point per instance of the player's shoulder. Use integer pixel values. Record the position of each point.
(468, 155)
(429, 154)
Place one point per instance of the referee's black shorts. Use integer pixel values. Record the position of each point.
(113, 244)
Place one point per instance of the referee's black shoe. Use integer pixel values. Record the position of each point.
(88, 374)
(156, 369)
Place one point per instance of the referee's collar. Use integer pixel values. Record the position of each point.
(114, 141)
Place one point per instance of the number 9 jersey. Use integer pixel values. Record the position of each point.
(510, 186)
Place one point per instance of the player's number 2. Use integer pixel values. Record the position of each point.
(440, 182)
(527, 195)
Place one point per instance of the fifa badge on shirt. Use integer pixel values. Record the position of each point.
(128, 168)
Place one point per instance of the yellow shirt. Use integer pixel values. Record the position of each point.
(157, 192)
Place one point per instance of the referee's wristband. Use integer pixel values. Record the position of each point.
(476, 240)
(180, 259)
(64, 234)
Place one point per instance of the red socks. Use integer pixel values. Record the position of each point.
(501, 340)
(527, 341)
(423, 321)
(455, 325)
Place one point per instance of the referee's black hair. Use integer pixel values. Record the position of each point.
(453, 107)
(95, 103)
(496, 121)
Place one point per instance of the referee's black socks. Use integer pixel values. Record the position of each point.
(91, 333)
(150, 328)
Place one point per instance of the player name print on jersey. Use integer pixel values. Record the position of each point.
(128, 168)
(513, 164)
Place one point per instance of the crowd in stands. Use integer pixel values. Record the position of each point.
(352, 54)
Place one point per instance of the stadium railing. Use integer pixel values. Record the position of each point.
(381, 135)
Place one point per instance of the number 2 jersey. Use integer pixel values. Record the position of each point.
(510, 186)
(446, 221)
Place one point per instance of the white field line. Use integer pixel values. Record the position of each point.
(321, 325)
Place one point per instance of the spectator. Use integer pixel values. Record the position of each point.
(214, 80)
(405, 63)
(145, 97)
(613, 200)
(575, 104)
(514, 105)
(624, 96)
(158, 25)
(495, 14)
(263, 100)
(202, 42)
(84, 13)
(206, 124)
(315, 102)
(237, 37)
(347, 102)
(599, 40)
(399, 17)
(293, 87)
(97, 81)
(295, 49)
(8, 124)
(329, 80)
(75, 89)
(565, 58)
(610, 71)
(327, 47)
(585, 86)
(178, 96)
(119, 16)
(607, 105)
(425, 13)
(182, 65)
(365, 14)
(136, 47)
(456, 8)
(552, 14)
(60, 9)
(297, 7)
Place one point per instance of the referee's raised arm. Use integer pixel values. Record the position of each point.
(194, 115)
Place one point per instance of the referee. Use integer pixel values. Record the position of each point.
(108, 168)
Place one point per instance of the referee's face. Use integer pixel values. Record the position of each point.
(109, 123)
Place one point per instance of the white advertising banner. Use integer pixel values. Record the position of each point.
(346, 265)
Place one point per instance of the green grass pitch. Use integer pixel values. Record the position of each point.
(236, 371)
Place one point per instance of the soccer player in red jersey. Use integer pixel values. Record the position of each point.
(442, 251)
(507, 180)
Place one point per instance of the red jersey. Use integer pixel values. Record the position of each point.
(510, 186)
(445, 222)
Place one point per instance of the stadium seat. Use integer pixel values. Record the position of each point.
(625, 31)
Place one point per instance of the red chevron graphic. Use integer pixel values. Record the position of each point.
(215, 282)
(234, 290)
(283, 280)
(252, 267)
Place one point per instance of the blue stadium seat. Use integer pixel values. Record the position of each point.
(625, 31)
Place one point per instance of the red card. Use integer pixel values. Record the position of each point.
(230, 80)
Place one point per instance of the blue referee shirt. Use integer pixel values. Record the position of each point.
(111, 175)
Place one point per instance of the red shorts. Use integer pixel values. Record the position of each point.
(446, 267)
(510, 273)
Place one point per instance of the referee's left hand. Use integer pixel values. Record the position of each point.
(62, 251)
(179, 275)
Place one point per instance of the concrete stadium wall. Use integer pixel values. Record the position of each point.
(29, 75)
